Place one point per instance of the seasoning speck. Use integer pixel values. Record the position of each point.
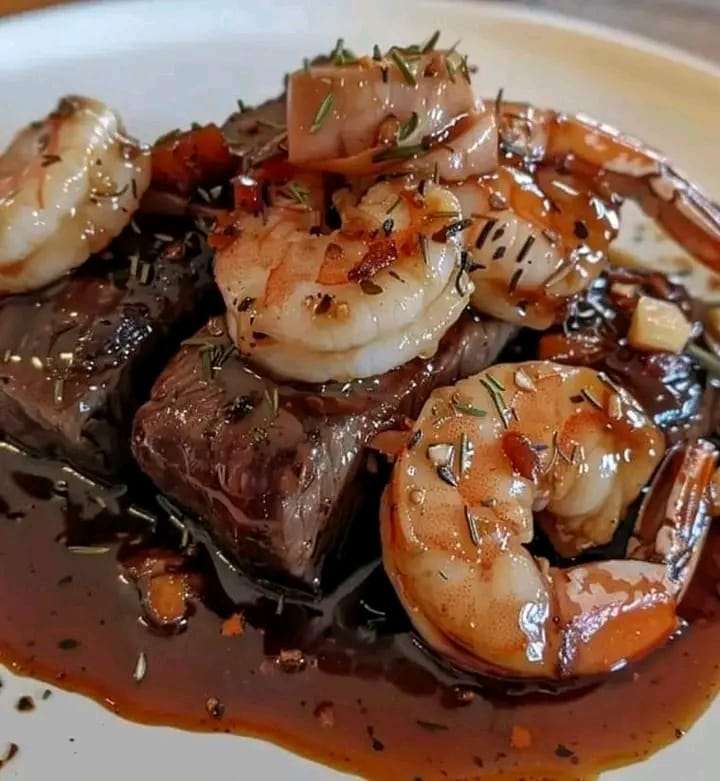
(325, 714)
(520, 737)
(214, 707)
(233, 626)
(25, 704)
(291, 661)
(140, 670)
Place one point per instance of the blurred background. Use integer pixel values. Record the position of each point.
(691, 24)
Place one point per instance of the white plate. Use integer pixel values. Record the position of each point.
(166, 64)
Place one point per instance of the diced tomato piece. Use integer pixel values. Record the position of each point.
(247, 194)
(196, 158)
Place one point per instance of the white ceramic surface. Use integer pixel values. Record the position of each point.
(165, 64)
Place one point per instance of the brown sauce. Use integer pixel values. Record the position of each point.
(341, 680)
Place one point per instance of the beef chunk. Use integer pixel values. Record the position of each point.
(275, 470)
(257, 134)
(669, 387)
(78, 356)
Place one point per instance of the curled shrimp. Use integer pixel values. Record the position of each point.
(68, 185)
(534, 241)
(544, 189)
(355, 302)
(484, 458)
(405, 111)
(557, 198)
(621, 166)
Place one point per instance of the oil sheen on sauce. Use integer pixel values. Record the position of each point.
(342, 680)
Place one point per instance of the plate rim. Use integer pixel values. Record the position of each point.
(677, 55)
(670, 55)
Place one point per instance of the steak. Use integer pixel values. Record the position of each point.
(78, 356)
(274, 471)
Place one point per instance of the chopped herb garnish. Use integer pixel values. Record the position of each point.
(706, 359)
(398, 152)
(300, 194)
(484, 233)
(323, 112)
(50, 160)
(431, 42)
(403, 67)
(395, 205)
(495, 382)
(388, 226)
(499, 100)
(414, 439)
(424, 248)
(439, 215)
(451, 70)
(432, 726)
(58, 391)
(446, 474)
(464, 69)
(88, 550)
(370, 288)
(465, 408)
(497, 399)
(526, 247)
(377, 54)
(273, 399)
(514, 281)
(590, 398)
(472, 526)
(408, 127)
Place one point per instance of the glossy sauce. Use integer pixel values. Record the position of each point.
(342, 680)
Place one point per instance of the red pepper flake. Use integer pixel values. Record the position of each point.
(380, 255)
(233, 626)
(522, 455)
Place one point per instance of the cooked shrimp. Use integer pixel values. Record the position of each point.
(484, 457)
(623, 166)
(544, 220)
(373, 114)
(534, 242)
(68, 186)
(355, 302)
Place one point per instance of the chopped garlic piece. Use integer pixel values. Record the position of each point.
(658, 325)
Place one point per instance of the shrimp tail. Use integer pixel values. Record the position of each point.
(622, 166)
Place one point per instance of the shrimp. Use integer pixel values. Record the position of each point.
(68, 185)
(557, 207)
(622, 166)
(484, 457)
(534, 242)
(355, 302)
(375, 114)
